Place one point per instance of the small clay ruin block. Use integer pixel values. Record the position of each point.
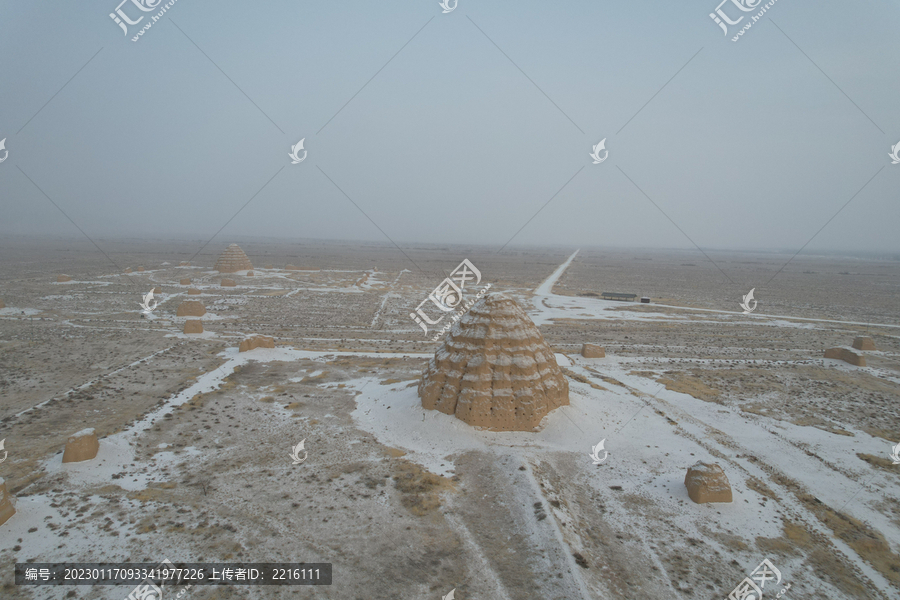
(233, 260)
(257, 341)
(494, 370)
(706, 482)
(249, 273)
(184, 263)
(592, 351)
(81, 446)
(270, 266)
(193, 292)
(157, 290)
(63, 278)
(193, 326)
(128, 269)
(846, 355)
(864, 343)
(6, 506)
(228, 283)
(291, 268)
(191, 308)
(141, 269)
(185, 281)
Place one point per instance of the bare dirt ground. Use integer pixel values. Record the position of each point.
(194, 463)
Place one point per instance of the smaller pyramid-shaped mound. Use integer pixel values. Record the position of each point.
(233, 260)
(495, 370)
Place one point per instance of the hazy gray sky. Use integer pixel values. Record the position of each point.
(749, 145)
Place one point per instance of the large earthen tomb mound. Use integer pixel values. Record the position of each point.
(6, 506)
(81, 446)
(494, 370)
(190, 308)
(257, 341)
(233, 260)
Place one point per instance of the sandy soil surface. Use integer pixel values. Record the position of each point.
(195, 466)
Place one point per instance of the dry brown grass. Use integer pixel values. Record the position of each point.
(865, 541)
(316, 379)
(687, 384)
(757, 408)
(684, 383)
(890, 435)
(607, 379)
(876, 461)
(761, 488)
(734, 543)
(829, 568)
(821, 424)
(582, 379)
(793, 542)
(154, 491)
(798, 541)
(420, 490)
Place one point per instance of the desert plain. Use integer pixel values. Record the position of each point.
(196, 438)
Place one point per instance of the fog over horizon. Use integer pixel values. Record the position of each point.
(216, 246)
(472, 127)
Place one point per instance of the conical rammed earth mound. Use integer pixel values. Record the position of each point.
(233, 260)
(495, 370)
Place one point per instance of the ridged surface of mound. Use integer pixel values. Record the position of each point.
(495, 370)
(233, 260)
